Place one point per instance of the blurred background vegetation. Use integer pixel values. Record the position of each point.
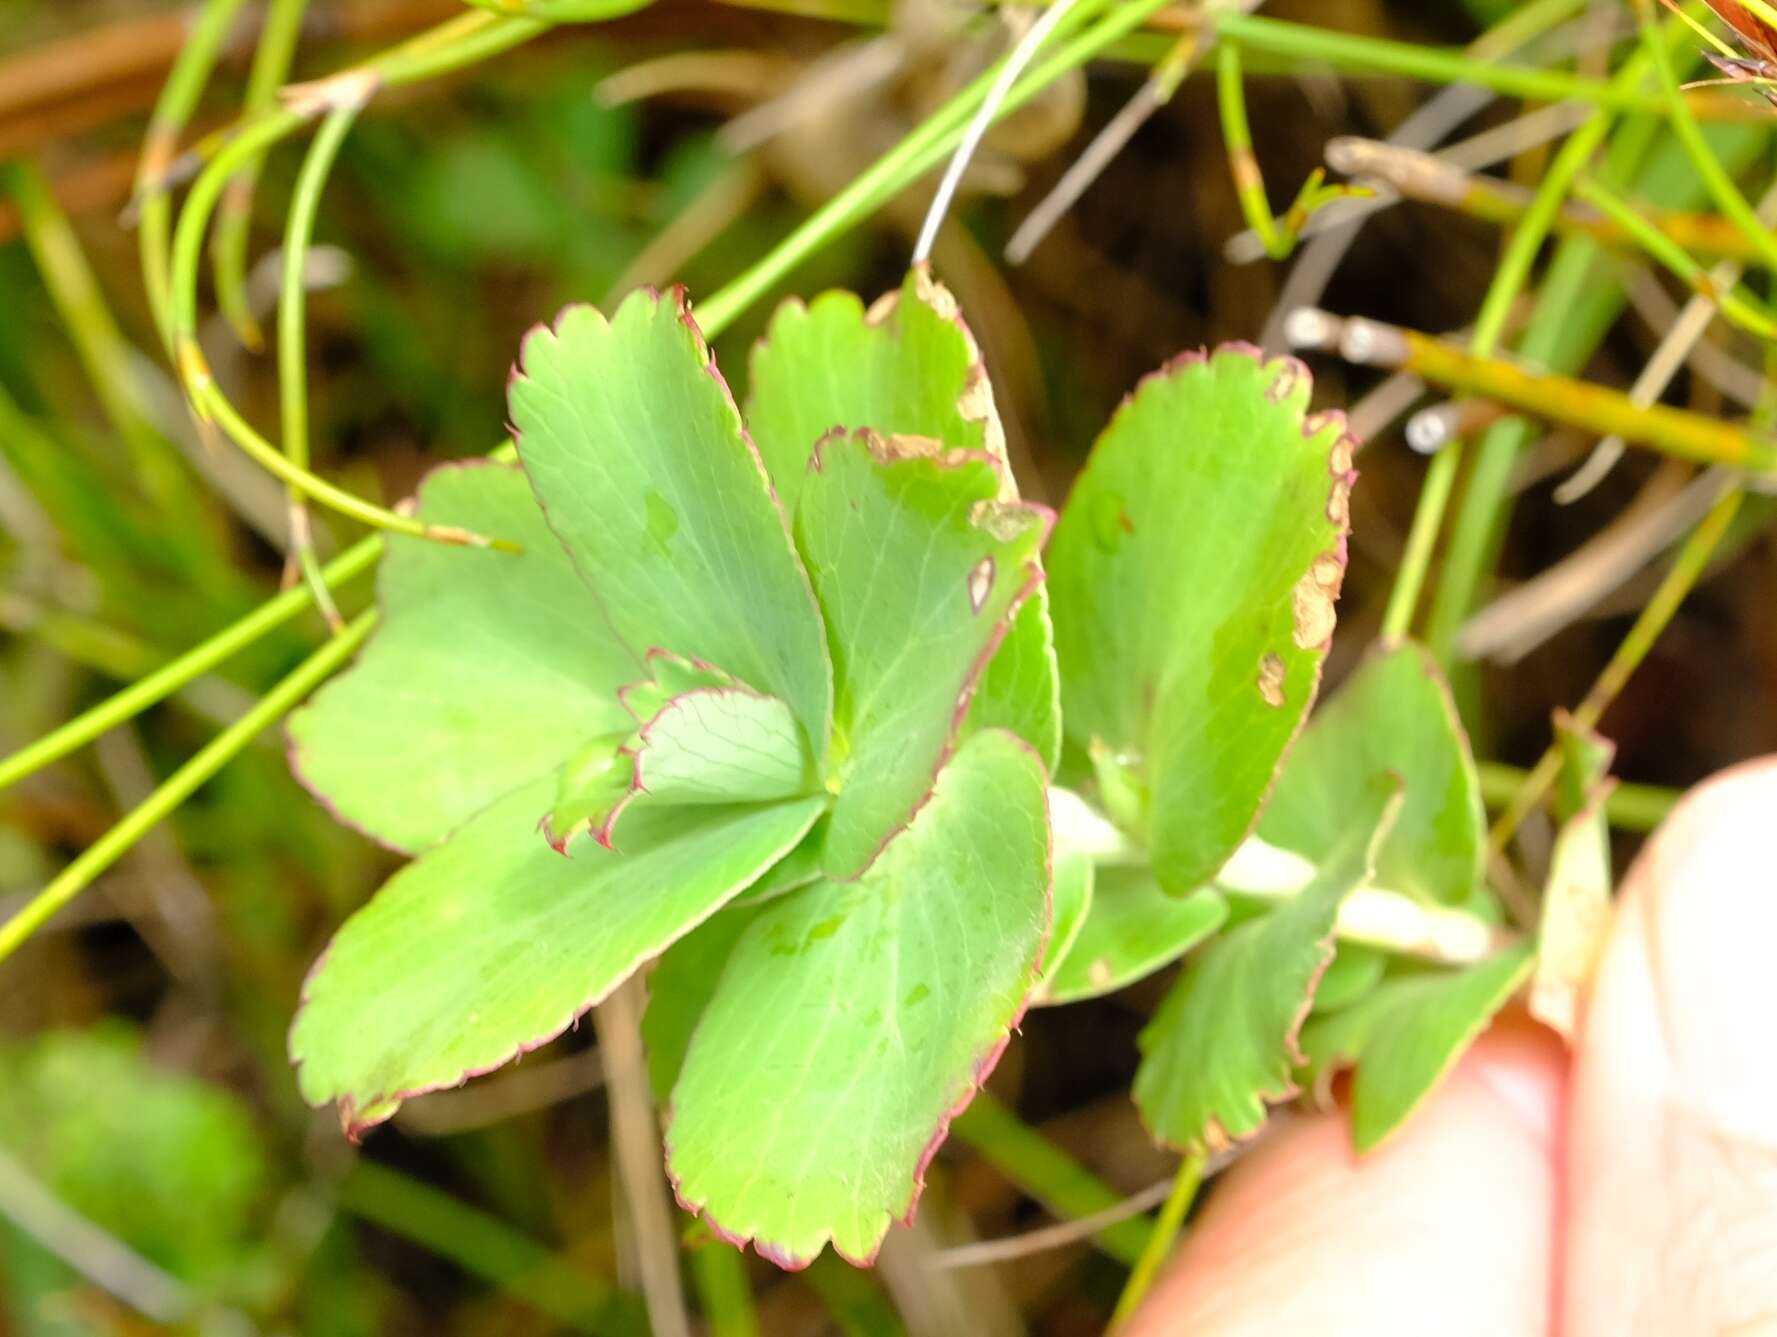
(148, 1119)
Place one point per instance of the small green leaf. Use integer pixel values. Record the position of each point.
(679, 988)
(492, 943)
(709, 745)
(1406, 1036)
(1223, 1044)
(637, 455)
(489, 670)
(908, 366)
(1352, 974)
(918, 567)
(1133, 929)
(854, 1019)
(1194, 573)
(1393, 716)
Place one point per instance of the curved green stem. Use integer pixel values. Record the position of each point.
(1237, 135)
(1162, 1237)
(184, 782)
(228, 250)
(293, 333)
(210, 402)
(178, 99)
(1738, 309)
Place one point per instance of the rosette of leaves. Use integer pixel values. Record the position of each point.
(784, 693)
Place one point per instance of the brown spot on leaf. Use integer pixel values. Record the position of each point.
(1312, 602)
(1271, 671)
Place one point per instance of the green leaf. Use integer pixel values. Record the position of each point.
(1070, 902)
(853, 1020)
(918, 567)
(679, 987)
(1352, 974)
(492, 943)
(1132, 929)
(908, 366)
(1021, 689)
(709, 745)
(637, 455)
(1194, 573)
(1223, 1043)
(488, 671)
(1393, 716)
(1406, 1036)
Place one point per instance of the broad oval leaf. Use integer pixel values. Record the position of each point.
(488, 670)
(1394, 715)
(636, 453)
(1193, 576)
(1132, 929)
(853, 1020)
(1406, 1036)
(492, 943)
(918, 567)
(1223, 1043)
(907, 366)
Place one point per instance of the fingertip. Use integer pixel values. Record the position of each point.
(1447, 1228)
(1672, 1162)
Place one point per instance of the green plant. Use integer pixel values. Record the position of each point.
(801, 716)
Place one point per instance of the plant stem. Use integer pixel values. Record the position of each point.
(1508, 281)
(1628, 807)
(1743, 311)
(635, 1148)
(916, 154)
(1161, 1238)
(1058, 13)
(207, 399)
(1237, 135)
(293, 334)
(1715, 178)
(1687, 569)
(1695, 437)
(1048, 1174)
(178, 99)
(184, 782)
(228, 251)
(193, 664)
(1374, 55)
